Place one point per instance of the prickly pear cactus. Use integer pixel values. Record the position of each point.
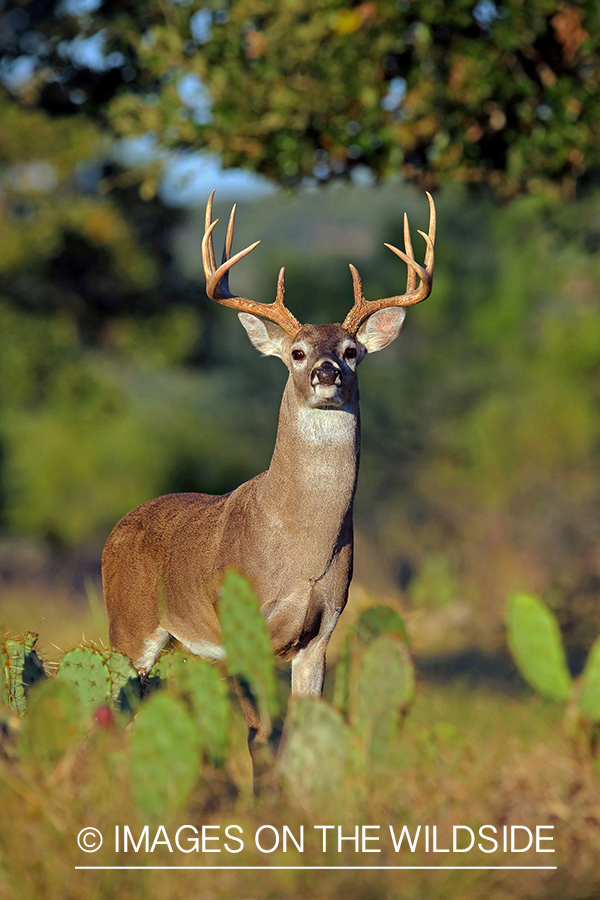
(52, 725)
(85, 669)
(22, 668)
(3, 674)
(536, 646)
(589, 697)
(247, 643)
(378, 620)
(385, 689)
(208, 696)
(124, 678)
(373, 622)
(164, 756)
(316, 756)
(341, 689)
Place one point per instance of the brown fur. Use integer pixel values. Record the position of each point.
(288, 529)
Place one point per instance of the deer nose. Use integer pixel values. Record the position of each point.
(326, 373)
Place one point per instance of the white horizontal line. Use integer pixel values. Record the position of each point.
(303, 868)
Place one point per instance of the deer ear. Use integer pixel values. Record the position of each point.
(381, 328)
(266, 336)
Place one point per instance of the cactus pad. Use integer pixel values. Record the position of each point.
(164, 756)
(589, 698)
(385, 688)
(199, 683)
(124, 678)
(247, 642)
(316, 756)
(536, 646)
(53, 723)
(85, 669)
(22, 668)
(373, 622)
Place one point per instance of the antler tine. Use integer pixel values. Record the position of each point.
(208, 229)
(362, 308)
(411, 278)
(217, 279)
(229, 236)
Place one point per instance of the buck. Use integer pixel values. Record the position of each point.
(288, 529)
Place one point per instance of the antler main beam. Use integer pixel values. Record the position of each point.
(362, 308)
(217, 278)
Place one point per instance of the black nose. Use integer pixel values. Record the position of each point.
(327, 373)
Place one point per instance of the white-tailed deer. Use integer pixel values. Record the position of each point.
(288, 529)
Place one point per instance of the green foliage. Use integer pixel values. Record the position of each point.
(207, 692)
(123, 677)
(589, 697)
(535, 643)
(434, 586)
(164, 756)
(460, 91)
(246, 641)
(374, 622)
(385, 689)
(316, 756)
(52, 725)
(100, 677)
(379, 620)
(22, 668)
(84, 668)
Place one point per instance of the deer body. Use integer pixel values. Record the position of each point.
(169, 555)
(289, 529)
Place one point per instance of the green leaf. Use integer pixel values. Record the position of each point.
(589, 698)
(535, 642)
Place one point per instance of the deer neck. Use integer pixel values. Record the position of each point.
(315, 462)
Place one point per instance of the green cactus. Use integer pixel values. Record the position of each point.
(589, 698)
(22, 668)
(536, 646)
(52, 725)
(378, 620)
(3, 675)
(343, 671)
(164, 756)
(385, 689)
(86, 670)
(373, 622)
(124, 679)
(207, 692)
(316, 756)
(200, 684)
(247, 643)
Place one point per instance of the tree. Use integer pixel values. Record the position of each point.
(505, 94)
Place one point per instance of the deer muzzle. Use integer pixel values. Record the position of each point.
(326, 374)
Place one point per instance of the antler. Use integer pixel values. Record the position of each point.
(362, 308)
(217, 279)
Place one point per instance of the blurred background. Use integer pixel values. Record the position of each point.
(120, 381)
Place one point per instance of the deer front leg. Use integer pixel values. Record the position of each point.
(308, 666)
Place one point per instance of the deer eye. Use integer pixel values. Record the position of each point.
(298, 355)
(350, 353)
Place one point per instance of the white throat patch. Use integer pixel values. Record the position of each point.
(327, 426)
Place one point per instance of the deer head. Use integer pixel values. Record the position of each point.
(321, 359)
